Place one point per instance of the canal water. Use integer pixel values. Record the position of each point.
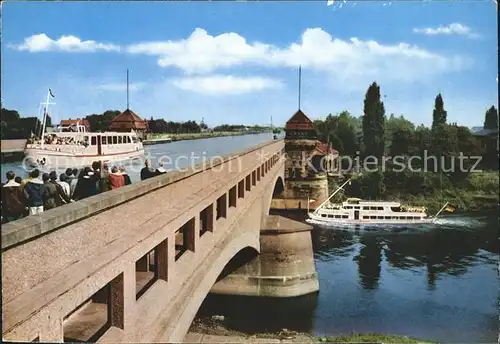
(175, 155)
(435, 283)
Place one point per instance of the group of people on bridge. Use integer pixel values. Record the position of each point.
(43, 191)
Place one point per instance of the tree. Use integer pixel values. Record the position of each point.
(374, 122)
(10, 115)
(394, 124)
(346, 133)
(100, 122)
(491, 118)
(439, 114)
(401, 141)
(48, 121)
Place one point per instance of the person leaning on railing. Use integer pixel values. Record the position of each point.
(12, 202)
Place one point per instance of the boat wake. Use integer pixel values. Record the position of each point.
(451, 222)
(462, 222)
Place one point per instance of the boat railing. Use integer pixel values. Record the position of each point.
(414, 209)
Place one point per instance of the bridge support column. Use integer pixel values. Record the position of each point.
(52, 331)
(284, 268)
(123, 301)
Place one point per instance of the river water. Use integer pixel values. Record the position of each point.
(434, 283)
(437, 282)
(175, 155)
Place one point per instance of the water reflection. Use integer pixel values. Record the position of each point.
(369, 259)
(441, 250)
(329, 245)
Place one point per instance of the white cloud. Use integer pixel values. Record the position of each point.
(121, 87)
(345, 60)
(201, 52)
(452, 29)
(43, 43)
(225, 84)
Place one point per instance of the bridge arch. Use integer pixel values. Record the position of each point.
(213, 268)
(275, 191)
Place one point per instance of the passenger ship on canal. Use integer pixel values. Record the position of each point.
(73, 146)
(355, 211)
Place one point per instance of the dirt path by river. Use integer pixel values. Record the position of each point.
(212, 330)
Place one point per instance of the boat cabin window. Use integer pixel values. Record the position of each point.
(103, 140)
(345, 216)
(337, 216)
(373, 217)
(348, 207)
(396, 209)
(323, 215)
(330, 215)
(380, 217)
(387, 217)
(366, 208)
(353, 201)
(395, 218)
(93, 140)
(366, 217)
(115, 140)
(120, 139)
(380, 208)
(135, 139)
(357, 207)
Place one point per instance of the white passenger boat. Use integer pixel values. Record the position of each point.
(74, 147)
(355, 211)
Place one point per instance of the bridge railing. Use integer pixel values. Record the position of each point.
(31, 227)
(56, 260)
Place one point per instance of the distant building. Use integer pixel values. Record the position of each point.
(488, 137)
(309, 161)
(128, 121)
(68, 124)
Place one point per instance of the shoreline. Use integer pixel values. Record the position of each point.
(212, 330)
(198, 136)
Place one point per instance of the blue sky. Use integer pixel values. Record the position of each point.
(236, 62)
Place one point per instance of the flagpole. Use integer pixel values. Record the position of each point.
(127, 91)
(45, 111)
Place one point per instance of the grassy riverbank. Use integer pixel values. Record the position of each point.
(206, 135)
(208, 330)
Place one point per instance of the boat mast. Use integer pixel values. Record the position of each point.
(333, 194)
(127, 92)
(45, 112)
(439, 212)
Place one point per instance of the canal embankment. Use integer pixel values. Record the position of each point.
(12, 150)
(163, 138)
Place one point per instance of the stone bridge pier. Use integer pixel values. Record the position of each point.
(134, 264)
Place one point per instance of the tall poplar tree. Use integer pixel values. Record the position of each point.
(374, 122)
(491, 118)
(439, 114)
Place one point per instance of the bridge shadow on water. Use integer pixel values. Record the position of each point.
(257, 314)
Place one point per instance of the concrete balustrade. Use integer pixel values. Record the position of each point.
(134, 264)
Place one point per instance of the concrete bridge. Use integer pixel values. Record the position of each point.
(134, 264)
